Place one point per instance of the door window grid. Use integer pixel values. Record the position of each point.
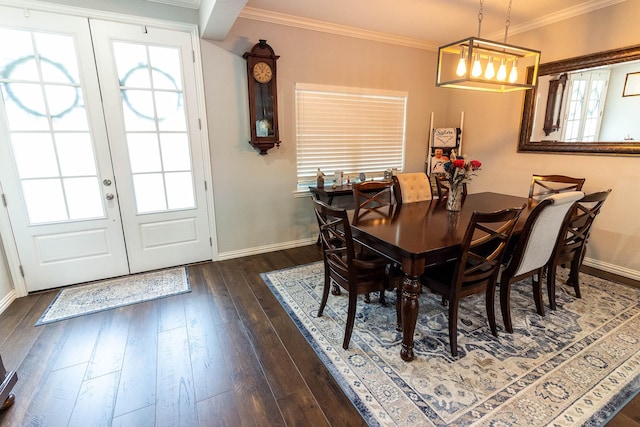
(155, 126)
(48, 127)
(587, 94)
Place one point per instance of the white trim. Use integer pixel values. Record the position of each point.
(204, 141)
(7, 300)
(611, 268)
(266, 248)
(98, 14)
(343, 30)
(327, 27)
(11, 251)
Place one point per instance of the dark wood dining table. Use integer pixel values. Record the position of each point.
(415, 235)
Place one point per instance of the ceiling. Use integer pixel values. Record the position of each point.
(422, 23)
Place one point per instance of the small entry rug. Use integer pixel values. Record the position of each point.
(576, 366)
(113, 293)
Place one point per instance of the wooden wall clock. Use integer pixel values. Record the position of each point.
(263, 94)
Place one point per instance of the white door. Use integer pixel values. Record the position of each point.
(152, 123)
(97, 192)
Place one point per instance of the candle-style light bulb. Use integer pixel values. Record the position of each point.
(476, 71)
(502, 70)
(490, 71)
(513, 75)
(462, 65)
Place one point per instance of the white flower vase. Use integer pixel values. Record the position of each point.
(454, 199)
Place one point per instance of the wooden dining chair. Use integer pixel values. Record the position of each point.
(475, 269)
(534, 248)
(372, 195)
(546, 185)
(443, 188)
(571, 248)
(412, 187)
(356, 272)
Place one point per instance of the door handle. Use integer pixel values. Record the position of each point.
(109, 196)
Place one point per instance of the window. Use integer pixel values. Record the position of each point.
(348, 129)
(587, 93)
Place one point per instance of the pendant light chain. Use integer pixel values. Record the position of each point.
(508, 23)
(480, 16)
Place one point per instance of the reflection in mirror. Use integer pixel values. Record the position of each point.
(581, 105)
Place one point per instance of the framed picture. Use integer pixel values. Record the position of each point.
(439, 156)
(446, 137)
(632, 85)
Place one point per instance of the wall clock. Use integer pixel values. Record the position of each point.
(263, 93)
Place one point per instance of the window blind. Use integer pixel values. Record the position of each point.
(348, 129)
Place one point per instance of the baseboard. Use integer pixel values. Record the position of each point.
(611, 268)
(7, 300)
(264, 249)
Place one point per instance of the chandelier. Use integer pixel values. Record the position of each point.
(479, 64)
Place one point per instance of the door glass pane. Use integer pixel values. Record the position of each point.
(24, 104)
(44, 200)
(144, 154)
(36, 112)
(175, 151)
(83, 197)
(149, 190)
(179, 190)
(170, 111)
(75, 154)
(153, 107)
(34, 155)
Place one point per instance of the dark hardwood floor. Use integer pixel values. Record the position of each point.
(225, 354)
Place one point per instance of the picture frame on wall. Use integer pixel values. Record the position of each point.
(632, 84)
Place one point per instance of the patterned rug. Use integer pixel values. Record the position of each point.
(578, 365)
(113, 293)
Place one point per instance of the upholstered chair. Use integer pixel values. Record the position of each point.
(534, 248)
(412, 187)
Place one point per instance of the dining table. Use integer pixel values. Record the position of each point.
(420, 234)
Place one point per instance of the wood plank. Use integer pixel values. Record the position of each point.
(207, 355)
(250, 387)
(171, 314)
(108, 352)
(80, 337)
(175, 404)
(220, 410)
(137, 387)
(143, 417)
(222, 308)
(95, 402)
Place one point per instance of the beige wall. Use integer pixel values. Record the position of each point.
(254, 195)
(492, 127)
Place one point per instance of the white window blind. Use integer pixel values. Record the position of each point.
(348, 129)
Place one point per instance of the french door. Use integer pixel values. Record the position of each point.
(100, 148)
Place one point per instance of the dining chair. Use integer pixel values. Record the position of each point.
(572, 247)
(534, 249)
(356, 272)
(372, 194)
(412, 187)
(475, 269)
(443, 188)
(545, 185)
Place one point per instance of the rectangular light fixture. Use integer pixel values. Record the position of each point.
(485, 65)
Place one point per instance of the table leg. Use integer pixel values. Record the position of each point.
(7, 381)
(410, 293)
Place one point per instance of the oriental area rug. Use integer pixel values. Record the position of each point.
(113, 293)
(578, 365)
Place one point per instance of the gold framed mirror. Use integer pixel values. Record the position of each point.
(587, 112)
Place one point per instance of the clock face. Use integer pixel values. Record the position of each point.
(262, 72)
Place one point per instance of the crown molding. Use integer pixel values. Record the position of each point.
(327, 27)
(343, 30)
(558, 16)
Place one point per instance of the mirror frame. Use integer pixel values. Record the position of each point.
(525, 144)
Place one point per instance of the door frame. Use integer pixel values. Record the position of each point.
(6, 231)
